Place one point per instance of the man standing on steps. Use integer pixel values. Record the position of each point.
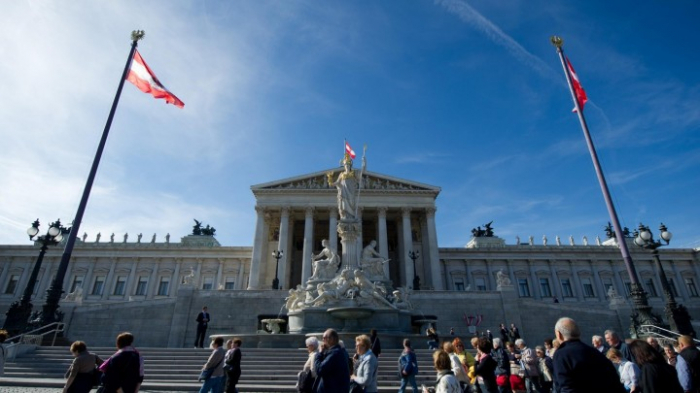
(203, 319)
(332, 369)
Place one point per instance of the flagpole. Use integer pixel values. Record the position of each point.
(645, 316)
(53, 295)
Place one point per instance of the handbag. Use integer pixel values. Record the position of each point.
(96, 377)
(356, 387)
(207, 372)
(305, 381)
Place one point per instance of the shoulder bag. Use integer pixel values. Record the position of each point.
(207, 372)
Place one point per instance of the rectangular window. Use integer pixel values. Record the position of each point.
(141, 286)
(672, 286)
(230, 284)
(480, 284)
(587, 287)
(650, 287)
(523, 288)
(692, 289)
(459, 285)
(208, 283)
(607, 284)
(98, 286)
(163, 286)
(12, 284)
(120, 286)
(566, 288)
(544, 287)
(77, 282)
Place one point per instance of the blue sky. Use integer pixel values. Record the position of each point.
(466, 95)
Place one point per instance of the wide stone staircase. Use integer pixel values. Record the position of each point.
(176, 369)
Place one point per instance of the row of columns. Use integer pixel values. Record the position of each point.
(263, 226)
(575, 268)
(51, 263)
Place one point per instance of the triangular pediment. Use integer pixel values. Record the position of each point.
(371, 181)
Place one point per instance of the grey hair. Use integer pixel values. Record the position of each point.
(312, 342)
(597, 338)
(539, 348)
(612, 333)
(519, 342)
(568, 328)
(496, 342)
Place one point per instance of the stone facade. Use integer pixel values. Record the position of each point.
(155, 289)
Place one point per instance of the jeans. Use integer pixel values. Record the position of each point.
(409, 379)
(533, 384)
(213, 384)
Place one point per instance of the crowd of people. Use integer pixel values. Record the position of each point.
(564, 364)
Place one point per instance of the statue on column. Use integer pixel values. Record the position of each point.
(325, 263)
(372, 263)
(347, 184)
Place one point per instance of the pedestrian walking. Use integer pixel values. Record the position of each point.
(81, 375)
(212, 373)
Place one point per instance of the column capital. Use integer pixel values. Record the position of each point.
(260, 209)
(381, 211)
(309, 210)
(430, 211)
(333, 210)
(405, 211)
(284, 210)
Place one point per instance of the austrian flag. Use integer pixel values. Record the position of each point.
(349, 150)
(142, 76)
(578, 89)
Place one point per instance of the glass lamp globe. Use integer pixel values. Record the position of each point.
(646, 235)
(666, 235)
(53, 231)
(639, 241)
(32, 231)
(58, 238)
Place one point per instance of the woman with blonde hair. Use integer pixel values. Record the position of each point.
(457, 368)
(628, 371)
(365, 372)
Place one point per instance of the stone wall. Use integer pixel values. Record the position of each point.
(170, 322)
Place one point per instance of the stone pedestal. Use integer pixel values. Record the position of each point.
(486, 242)
(199, 241)
(349, 231)
(511, 306)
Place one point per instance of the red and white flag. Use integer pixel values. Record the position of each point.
(578, 89)
(142, 76)
(349, 150)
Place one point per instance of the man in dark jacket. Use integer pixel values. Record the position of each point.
(688, 364)
(203, 319)
(579, 368)
(333, 373)
(502, 371)
(614, 341)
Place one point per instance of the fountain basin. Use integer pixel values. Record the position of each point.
(273, 324)
(350, 312)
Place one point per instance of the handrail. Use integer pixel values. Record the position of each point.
(670, 334)
(59, 328)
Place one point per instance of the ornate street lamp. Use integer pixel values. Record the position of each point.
(676, 314)
(416, 280)
(19, 312)
(277, 254)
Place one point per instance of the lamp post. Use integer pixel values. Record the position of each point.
(19, 312)
(416, 280)
(277, 254)
(676, 314)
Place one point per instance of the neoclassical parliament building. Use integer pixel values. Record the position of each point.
(154, 287)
